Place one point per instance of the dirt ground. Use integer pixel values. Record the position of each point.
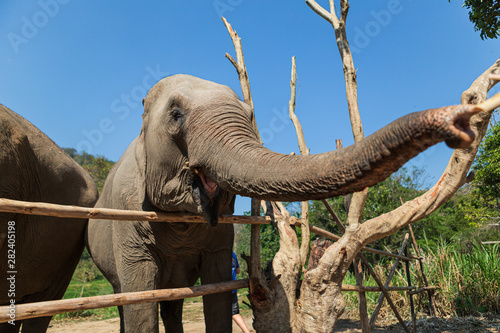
(193, 323)
(113, 326)
(486, 324)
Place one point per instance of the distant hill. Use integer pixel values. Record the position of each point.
(97, 166)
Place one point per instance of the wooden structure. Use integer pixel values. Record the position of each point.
(49, 308)
(316, 253)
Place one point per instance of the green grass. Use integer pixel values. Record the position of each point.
(469, 278)
(468, 282)
(88, 281)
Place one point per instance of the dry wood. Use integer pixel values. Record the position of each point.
(50, 308)
(348, 287)
(321, 232)
(387, 282)
(412, 306)
(454, 175)
(492, 242)
(304, 225)
(242, 71)
(291, 111)
(253, 262)
(432, 309)
(359, 198)
(48, 209)
(385, 292)
(422, 289)
(362, 306)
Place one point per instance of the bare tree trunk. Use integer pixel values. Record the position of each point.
(304, 248)
(254, 259)
(320, 303)
(273, 294)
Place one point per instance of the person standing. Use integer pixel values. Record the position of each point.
(238, 319)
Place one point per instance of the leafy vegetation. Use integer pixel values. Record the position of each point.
(487, 165)
(468, 282)
(485, 15)
(97, 166)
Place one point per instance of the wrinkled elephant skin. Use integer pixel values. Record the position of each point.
(46, 249)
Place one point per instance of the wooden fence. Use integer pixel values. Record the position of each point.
(49, 308)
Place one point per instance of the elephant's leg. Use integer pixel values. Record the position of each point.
(120, 313)
(139, 276)
(8, 328)
(138, 318)
(171, 314)
(216, 267)
(36, 325)
(117, 290)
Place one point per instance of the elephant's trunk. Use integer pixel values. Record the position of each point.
(230, 155)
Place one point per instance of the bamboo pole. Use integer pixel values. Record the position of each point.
(412, 306)
(385, 291)
(348, 287)
(387, 282)
(50, 308)
(48, 209)
(422, 289)
(335, 217)
(320, 232)
(363, 307)
(432, 309)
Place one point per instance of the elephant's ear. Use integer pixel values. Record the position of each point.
(140, 158)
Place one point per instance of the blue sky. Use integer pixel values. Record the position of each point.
(78, 70)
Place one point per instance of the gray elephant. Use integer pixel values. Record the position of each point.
(203, 125)
(42, 251)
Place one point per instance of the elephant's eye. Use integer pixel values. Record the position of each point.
(177, 114)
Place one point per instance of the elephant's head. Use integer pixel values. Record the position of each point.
(200, 150)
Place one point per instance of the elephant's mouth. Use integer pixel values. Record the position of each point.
(209, 195)
(210, 186)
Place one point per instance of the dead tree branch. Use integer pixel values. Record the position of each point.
(304, 248)
(359, 198)
(454, 175)
(254, 262)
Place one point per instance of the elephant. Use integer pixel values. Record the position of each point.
(38, 253)
(196, 150)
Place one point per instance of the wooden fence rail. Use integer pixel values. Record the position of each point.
(48, 209)
(51, 308)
